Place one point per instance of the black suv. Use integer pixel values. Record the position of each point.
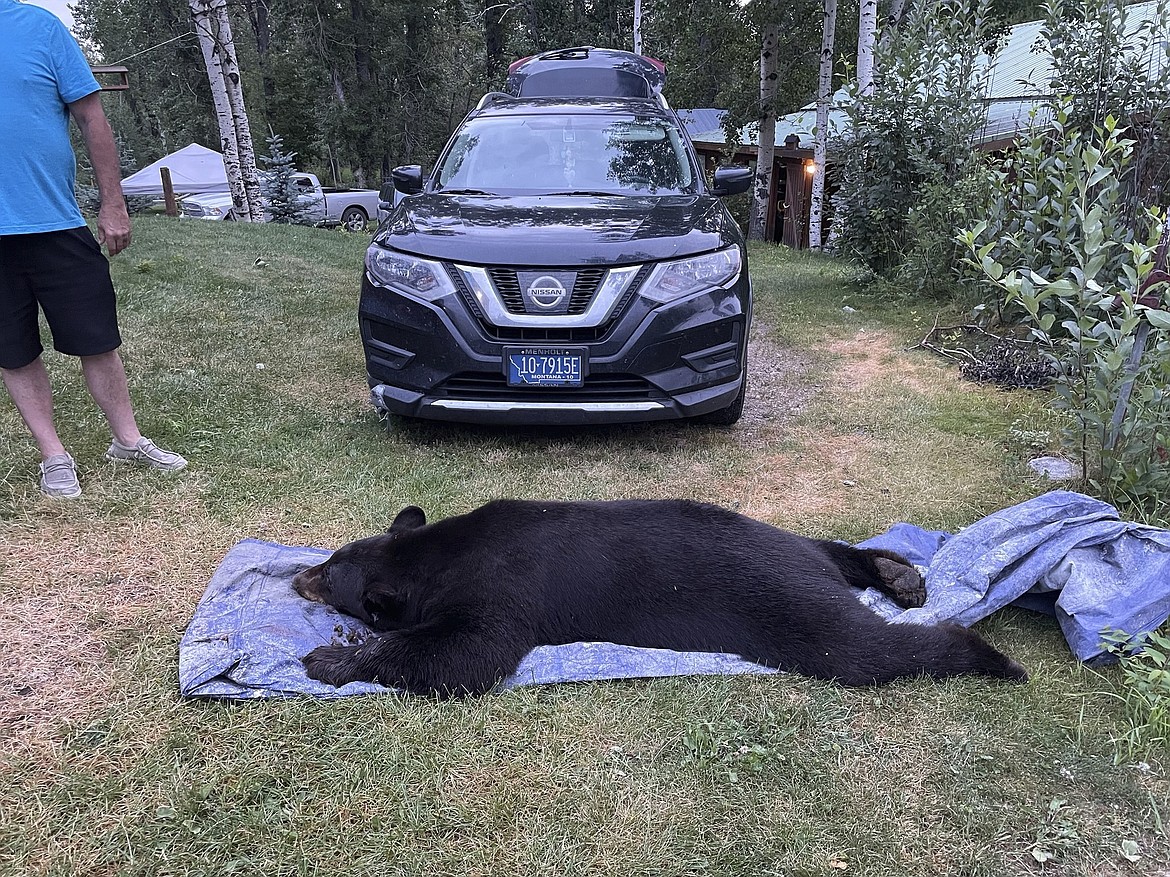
(564, 263)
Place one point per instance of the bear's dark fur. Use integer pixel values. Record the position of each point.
(458, 603)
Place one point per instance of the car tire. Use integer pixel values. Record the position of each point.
(730, 415)
(354, 219)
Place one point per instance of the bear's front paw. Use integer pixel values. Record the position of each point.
(332, 664)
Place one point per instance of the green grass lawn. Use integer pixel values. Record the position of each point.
(243, 354)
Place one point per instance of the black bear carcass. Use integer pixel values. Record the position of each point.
(456, 604)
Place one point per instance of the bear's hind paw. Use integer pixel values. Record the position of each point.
(903, 582)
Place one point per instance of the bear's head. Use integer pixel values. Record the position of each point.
(360, 579)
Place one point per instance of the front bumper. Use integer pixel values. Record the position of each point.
(444, 360)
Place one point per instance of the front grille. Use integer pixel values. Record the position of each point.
(597, 388)
(527, 333)
(584, 287)
(560, 334)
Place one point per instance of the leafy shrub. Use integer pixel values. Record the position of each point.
(907, 172)
(1069, 247)
(1106, 64)
(1145, 665)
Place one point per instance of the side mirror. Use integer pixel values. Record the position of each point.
(408, 179)
(732, 180)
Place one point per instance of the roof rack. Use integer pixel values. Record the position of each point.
(571, 54)
(494, 97)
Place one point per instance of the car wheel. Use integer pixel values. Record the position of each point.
(354, 219)
(727, 416)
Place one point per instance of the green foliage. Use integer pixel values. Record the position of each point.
(1080, 303)
(1056, 834)
(283, 204)
(168, 104)
(907, 171)
(1068, 243)
(1145, 665)
(1106, 63)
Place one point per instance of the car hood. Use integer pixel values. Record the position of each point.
(557, 229)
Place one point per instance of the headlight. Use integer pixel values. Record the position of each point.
(421, 278)
(673, 280)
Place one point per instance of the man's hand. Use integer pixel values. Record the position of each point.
(113, 220)
(113, 226)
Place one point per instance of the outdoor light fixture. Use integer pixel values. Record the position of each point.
(810, 167)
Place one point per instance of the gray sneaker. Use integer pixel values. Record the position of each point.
(145, 453)
(59, 477)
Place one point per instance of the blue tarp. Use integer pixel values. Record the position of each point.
(1105, 573)
(250, 629)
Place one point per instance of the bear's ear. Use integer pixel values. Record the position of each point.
(410, 518)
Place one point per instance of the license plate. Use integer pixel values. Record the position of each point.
(544, 367)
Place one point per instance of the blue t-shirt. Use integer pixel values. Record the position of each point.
(41, 71)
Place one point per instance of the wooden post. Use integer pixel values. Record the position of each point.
(168, 191)
(794, 207)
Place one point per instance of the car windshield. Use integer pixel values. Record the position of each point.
(546, 154)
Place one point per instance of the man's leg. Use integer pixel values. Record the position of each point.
(105, 375)
(33, 396)
(106, 378)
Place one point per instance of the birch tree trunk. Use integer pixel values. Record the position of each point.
(866, 37)
(223, 73)
(766, 150)
(893, 21)
(235, 93)
(820, 144)
(637, 27)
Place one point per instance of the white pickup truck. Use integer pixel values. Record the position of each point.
(351, 208)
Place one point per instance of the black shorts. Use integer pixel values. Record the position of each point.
(66, 274)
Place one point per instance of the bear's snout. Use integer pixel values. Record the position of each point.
(309, 583)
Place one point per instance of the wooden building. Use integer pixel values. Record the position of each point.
(793, 168)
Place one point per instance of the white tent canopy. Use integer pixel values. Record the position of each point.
(194, 170)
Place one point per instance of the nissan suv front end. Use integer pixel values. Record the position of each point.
(564, 263)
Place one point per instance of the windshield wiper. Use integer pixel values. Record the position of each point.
(593, 192)
(464, 192)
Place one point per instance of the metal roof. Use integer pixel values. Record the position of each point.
(1020, 72)
(703, 123)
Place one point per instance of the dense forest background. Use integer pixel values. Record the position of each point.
(355, 87)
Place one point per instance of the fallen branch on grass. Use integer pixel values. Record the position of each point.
(989, 358)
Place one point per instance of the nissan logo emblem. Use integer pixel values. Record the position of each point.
(546, 292)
